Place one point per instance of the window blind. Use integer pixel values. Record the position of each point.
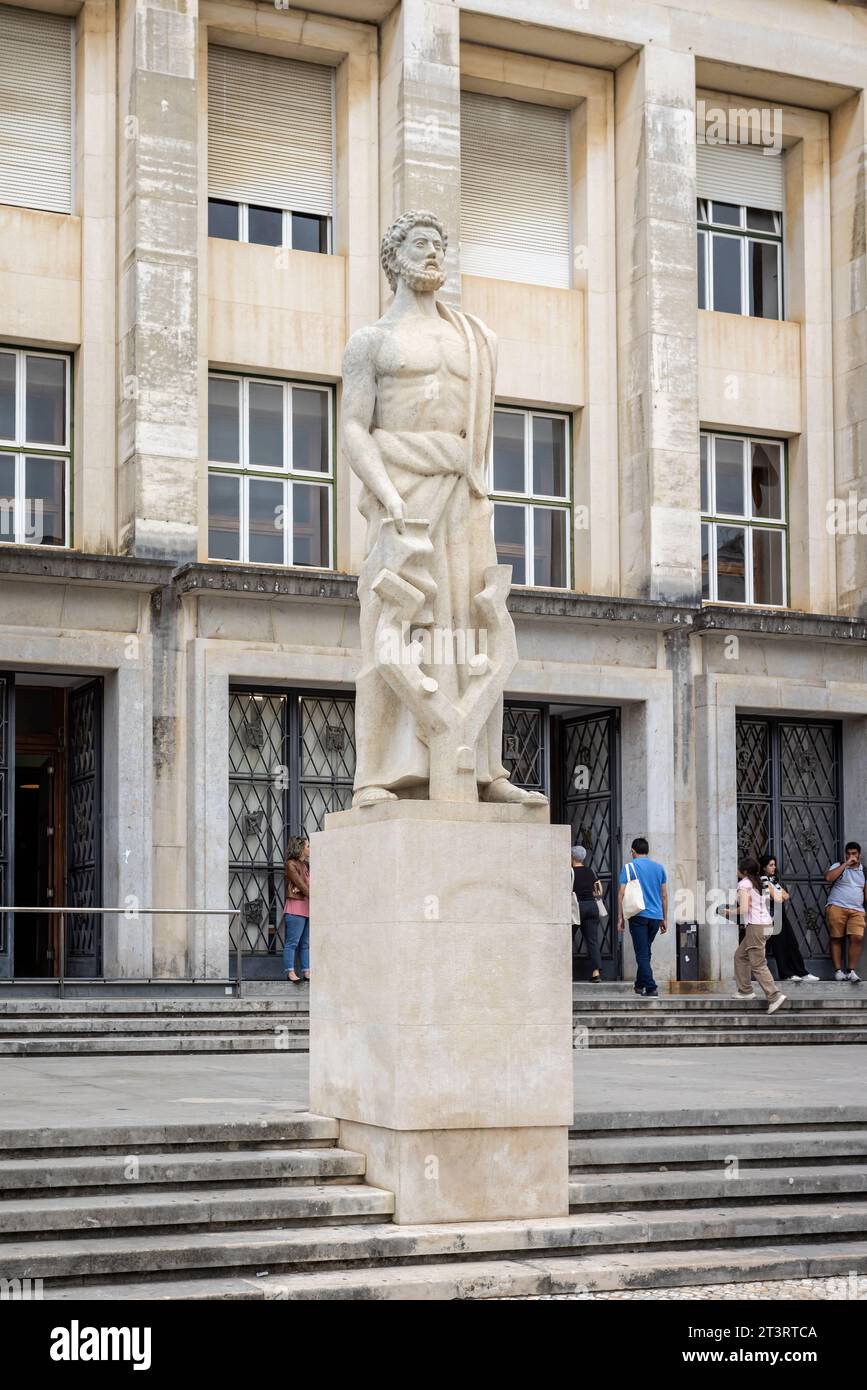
(270, 131)
(740, 174)
(515, 195)
(35, 110)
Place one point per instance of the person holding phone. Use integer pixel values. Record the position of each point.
(844, 912)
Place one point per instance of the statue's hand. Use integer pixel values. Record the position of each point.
(396, 508)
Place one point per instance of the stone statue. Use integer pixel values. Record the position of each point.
(437, 640)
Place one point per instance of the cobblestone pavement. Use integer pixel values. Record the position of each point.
(797, 1290)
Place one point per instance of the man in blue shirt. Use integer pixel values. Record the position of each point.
(644, 925)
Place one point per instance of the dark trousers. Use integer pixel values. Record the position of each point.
(591, 929)
(643, 930)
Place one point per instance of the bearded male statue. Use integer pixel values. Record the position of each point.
(437, 641)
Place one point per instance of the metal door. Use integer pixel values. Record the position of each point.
(291, 762)
(7, 813)
(790, 803)
(587, 751)
(84, 830)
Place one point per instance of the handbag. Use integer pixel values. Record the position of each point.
(601, 908)
(576, 912)
(633, 894)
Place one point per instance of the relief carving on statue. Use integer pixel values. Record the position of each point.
(438, 643)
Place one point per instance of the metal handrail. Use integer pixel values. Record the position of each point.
(131, 913)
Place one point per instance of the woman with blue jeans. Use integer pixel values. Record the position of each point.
(296, 911)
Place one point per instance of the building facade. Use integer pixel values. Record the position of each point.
(659, 209)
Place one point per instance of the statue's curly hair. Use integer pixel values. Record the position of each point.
(396, 235)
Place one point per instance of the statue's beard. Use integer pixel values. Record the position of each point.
(420, 280)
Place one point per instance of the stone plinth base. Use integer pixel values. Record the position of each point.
(441, 1004)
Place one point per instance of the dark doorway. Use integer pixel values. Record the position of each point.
(790, 799)
(572, 753)
(50, 824)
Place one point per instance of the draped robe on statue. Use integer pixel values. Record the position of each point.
(442, 479)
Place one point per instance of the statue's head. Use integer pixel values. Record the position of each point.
(414, 249)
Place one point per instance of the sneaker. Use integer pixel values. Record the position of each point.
(651, 993)
(853, 978)
(792, 978)
(810, 979)
(743, 995)
(840, 975)
(775, 1001)
(638, 989)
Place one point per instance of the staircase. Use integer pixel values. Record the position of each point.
(823, 1013)
(603, 1016)
(115, 1027)
(276, 1210)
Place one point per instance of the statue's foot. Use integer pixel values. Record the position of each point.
(502, 791)
(370, 796)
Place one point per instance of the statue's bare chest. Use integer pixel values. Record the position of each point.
(424, 348)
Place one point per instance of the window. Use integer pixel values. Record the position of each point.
(34, 447)
(515, 190)
(300, 231)
(743, 528)
(739, 259)
(35, 110)
(530, 483)
(270, 150)
(740, 232)
(270, 471)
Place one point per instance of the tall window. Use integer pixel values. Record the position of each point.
(530, 484)
(270, 471)
(34, 447)
(743, 529)
(515, 190)
(35, 110)
(270, 150)
(739, 259)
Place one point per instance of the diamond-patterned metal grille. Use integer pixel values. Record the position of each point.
(589, 772)
(789, 802)
(291, 762)
(524, 746)
(5, 837)
(84, 835)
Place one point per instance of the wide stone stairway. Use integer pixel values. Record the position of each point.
(274, 1209)
(276, 1017)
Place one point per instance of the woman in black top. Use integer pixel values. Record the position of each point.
(588, 890)
(784, 946)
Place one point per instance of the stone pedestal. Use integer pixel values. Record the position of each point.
(441, 1004)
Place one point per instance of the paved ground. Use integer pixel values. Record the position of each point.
(83, 1090)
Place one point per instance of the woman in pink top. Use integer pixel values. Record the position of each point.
(296, 911)
(755, 917)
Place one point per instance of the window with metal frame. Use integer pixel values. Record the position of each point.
(743, 526)
(740, 259)
(515, 190)
(270, 471)
(531, 489)
(36, 110)
(270, 150)
(35, 447)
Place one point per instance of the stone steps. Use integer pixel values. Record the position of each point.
(741, 1037)
(503, 1278)
(184, 1170)
(752, 1184)
(114, 1046)
(80, 1258)
(275, 1210)
(286, 1206)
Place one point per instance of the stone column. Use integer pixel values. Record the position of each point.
(420, 121)
(657, 325)
(441, 1006)
(157, 250)
(849, 289)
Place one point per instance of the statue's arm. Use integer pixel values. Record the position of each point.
(357, 443)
